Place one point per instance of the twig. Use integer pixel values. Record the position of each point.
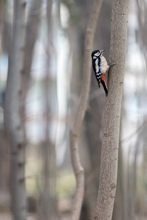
(76, 130)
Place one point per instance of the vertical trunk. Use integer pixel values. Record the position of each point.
(112, 113)
(129, 184)
(13, 116)
(144, 212)
(119, 212)
(30, 40)
(133, 181)
(1, 21)
(45, 211)
(93, 122)
(48, 209)
(84, 96)
(51, 104)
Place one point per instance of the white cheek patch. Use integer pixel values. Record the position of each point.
(97, 54)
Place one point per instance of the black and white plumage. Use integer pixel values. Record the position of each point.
(100, 67)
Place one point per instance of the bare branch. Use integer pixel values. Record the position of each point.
(75, 132)
(112, 113)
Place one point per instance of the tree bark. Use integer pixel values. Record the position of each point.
(112, 113)
(13, 116)
(129, 184)
(132, 179)
(48, 202)
(144, 163)
(30, 40)
(1, 22)
(93, 118)
(119, 212)
(75, 132)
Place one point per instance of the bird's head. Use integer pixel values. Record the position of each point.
(96, 53)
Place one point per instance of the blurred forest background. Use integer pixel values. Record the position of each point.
(38, 107)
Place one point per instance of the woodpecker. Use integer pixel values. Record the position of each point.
(100, 67)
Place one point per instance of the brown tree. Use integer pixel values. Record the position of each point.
(112, 113)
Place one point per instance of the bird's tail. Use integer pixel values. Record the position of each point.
(105, 87)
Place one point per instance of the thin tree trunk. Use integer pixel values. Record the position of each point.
(93, 119)
(76, 130)
(2, 11)
(30, 40)
(13, 116)
(132, 180)
(32, 27)
(112, 113)
(48, 208)
(129, 184)
(144, 163)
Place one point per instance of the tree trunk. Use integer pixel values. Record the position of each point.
(112, 113)
(119, 212)
(13, 116)
(48, 202)
(30, 40)
(84, 96)
(1, 22)
(93, 118)
(132, 177)
(144, 211)
(129, 184)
